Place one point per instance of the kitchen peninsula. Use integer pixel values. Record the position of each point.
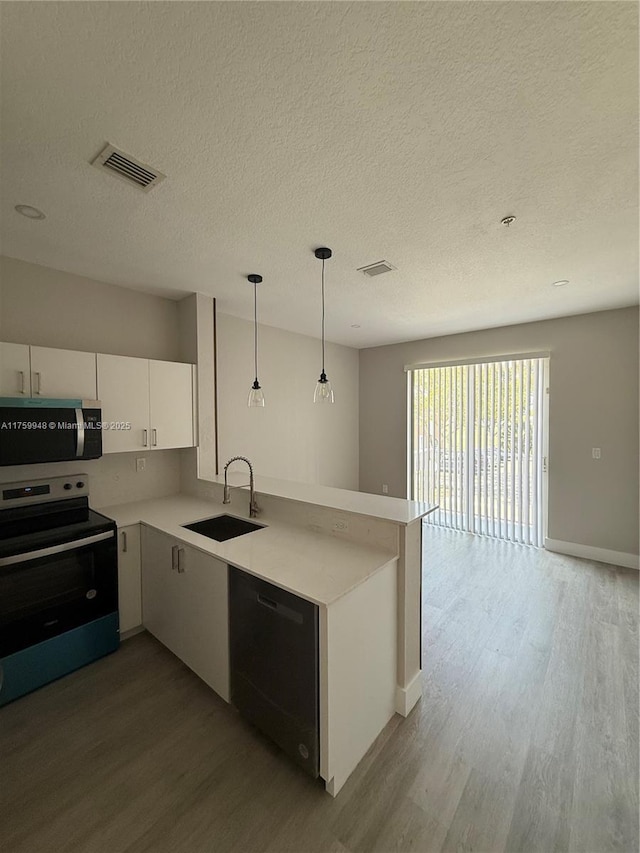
(356, 556)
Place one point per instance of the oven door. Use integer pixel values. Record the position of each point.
(46, 592)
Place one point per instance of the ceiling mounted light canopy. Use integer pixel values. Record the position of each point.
(324, 391)
(29, 211)
(256, 394)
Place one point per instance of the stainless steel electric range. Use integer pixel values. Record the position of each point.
(58, 582)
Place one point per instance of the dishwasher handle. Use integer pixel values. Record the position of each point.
(280, 609)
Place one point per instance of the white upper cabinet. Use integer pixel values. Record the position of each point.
(155, 397)
(171, 404)
(15, 375)
(123, 390)
(63, 373)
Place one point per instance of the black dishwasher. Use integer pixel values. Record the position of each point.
(274, 664)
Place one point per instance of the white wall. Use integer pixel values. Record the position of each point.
(47, 307)
(593, 403)
(291, 438)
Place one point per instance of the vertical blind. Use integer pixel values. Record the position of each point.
(477, 446)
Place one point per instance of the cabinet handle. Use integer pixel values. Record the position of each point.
(124, 541)
(154, 439)
(181, 560)
(145, 438)
(174, 558)
(38, 377)
(22, 388)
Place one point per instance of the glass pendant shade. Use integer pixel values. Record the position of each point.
(256, 395)
(324, 391)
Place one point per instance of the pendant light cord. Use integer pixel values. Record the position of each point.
(255, 328)
(323, 315)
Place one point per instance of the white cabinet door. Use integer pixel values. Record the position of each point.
(63, 373)
(161, 605)
(185, 605)
(203, 615)
(123, 389)
(15, 374)
(171, 404)
(129, 578)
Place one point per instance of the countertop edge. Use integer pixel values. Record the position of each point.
(342, 500)
(134, 512)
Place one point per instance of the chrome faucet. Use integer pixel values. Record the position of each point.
(254, 509)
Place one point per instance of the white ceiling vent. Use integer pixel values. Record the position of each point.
(128, 169)
(376, 269)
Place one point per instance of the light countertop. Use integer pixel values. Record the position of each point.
(318, 567)
(382, 507)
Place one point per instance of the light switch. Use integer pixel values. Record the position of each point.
(595, 452)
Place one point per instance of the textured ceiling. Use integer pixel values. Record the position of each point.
(402, 131)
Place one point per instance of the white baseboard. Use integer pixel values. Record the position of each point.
(601, 555)
(406, 697)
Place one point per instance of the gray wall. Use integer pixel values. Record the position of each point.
(593, 403)
(50, 308)
(291, 438)
(47, 307)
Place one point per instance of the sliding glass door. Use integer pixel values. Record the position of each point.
(478, 446)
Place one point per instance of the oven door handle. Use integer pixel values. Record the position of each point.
(55, 549)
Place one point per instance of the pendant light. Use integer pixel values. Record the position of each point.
(256, 394)
(324, 391)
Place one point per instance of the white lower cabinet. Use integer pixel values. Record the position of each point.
(185, 605)
(129, 578)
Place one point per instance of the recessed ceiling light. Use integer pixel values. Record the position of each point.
(355, 325)
(561, 283)
(29, 212)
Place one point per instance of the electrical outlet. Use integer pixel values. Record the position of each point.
(595, 453)
(385, 489)
(140, 463)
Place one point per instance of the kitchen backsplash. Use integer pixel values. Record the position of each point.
(113, 478)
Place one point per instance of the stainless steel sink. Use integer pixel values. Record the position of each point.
(223, 527)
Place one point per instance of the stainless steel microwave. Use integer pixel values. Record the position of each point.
(51, 433)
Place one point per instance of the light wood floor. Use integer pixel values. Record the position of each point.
(526, 738)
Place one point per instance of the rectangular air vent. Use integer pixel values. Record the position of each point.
(128, 169)
(376, 269)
